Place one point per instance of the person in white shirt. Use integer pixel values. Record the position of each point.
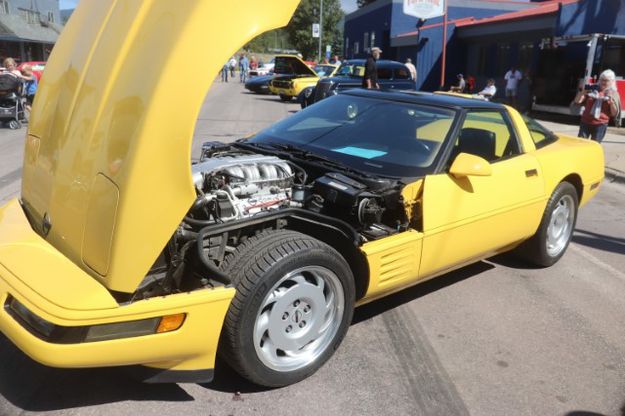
(461, 85)
(489, 90)
(512, 77)
(412, 70)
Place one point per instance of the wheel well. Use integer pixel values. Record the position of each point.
(352, 255)
(575, 180)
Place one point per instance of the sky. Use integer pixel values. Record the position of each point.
(67, 4)
(348, 5)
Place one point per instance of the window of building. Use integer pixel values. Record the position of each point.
(4, 6)
(372, 39)
(51, 17)
(365, 43)
(482, 61)
(356, 48)
(526, 52)
(31, 16)
(346, 47)
(503, 57)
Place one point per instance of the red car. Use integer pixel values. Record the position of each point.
(37, 67)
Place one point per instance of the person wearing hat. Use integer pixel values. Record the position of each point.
(461, 84)
(370, 80)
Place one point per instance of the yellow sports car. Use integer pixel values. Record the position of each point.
(119, 252)
(293, 76)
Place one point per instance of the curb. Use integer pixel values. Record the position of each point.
(614, 175)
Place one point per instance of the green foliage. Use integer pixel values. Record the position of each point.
(299, 28)
(268, 41)
(363, 3)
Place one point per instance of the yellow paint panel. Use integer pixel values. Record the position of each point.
(393, 262)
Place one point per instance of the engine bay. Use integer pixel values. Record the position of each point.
(242, 191)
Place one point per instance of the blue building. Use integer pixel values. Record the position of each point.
(547, 40)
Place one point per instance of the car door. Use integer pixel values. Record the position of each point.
(470, 217)
(385, 77)
(402, 79)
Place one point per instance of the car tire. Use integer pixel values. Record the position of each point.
(554, 234)
(14, 125)
(284, 97)
(292, 308)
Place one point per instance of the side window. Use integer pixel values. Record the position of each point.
(488, 135)
(384, 73)
(401, 73)
(540, 135)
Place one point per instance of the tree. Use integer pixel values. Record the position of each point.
(363, 3)
(299, 29)
(269, 41)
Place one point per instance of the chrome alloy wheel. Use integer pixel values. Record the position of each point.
(560, 225)
(299, 318)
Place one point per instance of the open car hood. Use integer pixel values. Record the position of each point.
(292, 65)
(107, 175)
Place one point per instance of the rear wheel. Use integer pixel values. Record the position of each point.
(554, 234)
(294, 302)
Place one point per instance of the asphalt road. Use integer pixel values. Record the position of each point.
(495, 338)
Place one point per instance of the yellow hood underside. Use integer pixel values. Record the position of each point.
(107, 158)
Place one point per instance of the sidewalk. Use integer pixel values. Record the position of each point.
(613, 146)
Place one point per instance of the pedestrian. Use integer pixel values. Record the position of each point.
(512, 77)
(30, 85)
(244, 66)
(253, 63)
(11, 67)
(462, 84)
(412, 70)
(336, 60)
(489, 90)
(370, 78)
(224, 72)
(232, 63)
(600, 102)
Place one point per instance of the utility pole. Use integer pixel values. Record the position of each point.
(320, 28)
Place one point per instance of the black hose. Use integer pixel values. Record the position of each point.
(197, 223)
(217, 274)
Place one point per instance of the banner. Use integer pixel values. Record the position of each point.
(424, 9)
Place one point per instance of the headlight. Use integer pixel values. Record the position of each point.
(76, 334)
(308, 92)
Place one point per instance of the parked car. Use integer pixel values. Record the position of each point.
(37, 66)
(265, 69)
(391, 75)
(259, 84)
(292, 75)
(119, 252)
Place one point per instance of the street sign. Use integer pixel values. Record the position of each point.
(315, 30)
(424, 9)
(328, 48)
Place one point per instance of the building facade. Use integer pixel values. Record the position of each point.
(486, 37)
(28, 28)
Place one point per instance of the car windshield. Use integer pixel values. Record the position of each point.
(324, 70)
(376, 136)
(351, 70)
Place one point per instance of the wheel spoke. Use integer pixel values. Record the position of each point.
(273, 297)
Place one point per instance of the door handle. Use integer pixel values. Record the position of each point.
(531, 172)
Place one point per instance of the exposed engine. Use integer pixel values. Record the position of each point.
(233, 186)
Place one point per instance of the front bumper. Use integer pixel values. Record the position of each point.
(290, 92)
(55, 289)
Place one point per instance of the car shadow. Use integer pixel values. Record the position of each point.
(599, 241)
(34, 387)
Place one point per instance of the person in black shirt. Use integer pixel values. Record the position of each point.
(370, 80)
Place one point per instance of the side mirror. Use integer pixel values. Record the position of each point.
(467, 164)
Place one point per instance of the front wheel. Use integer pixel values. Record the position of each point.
(554, 234)
(294, 302)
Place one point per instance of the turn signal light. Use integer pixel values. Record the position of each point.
(170, 323)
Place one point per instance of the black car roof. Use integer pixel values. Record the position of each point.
(425, 98)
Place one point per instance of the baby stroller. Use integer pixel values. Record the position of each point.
(11, 101)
